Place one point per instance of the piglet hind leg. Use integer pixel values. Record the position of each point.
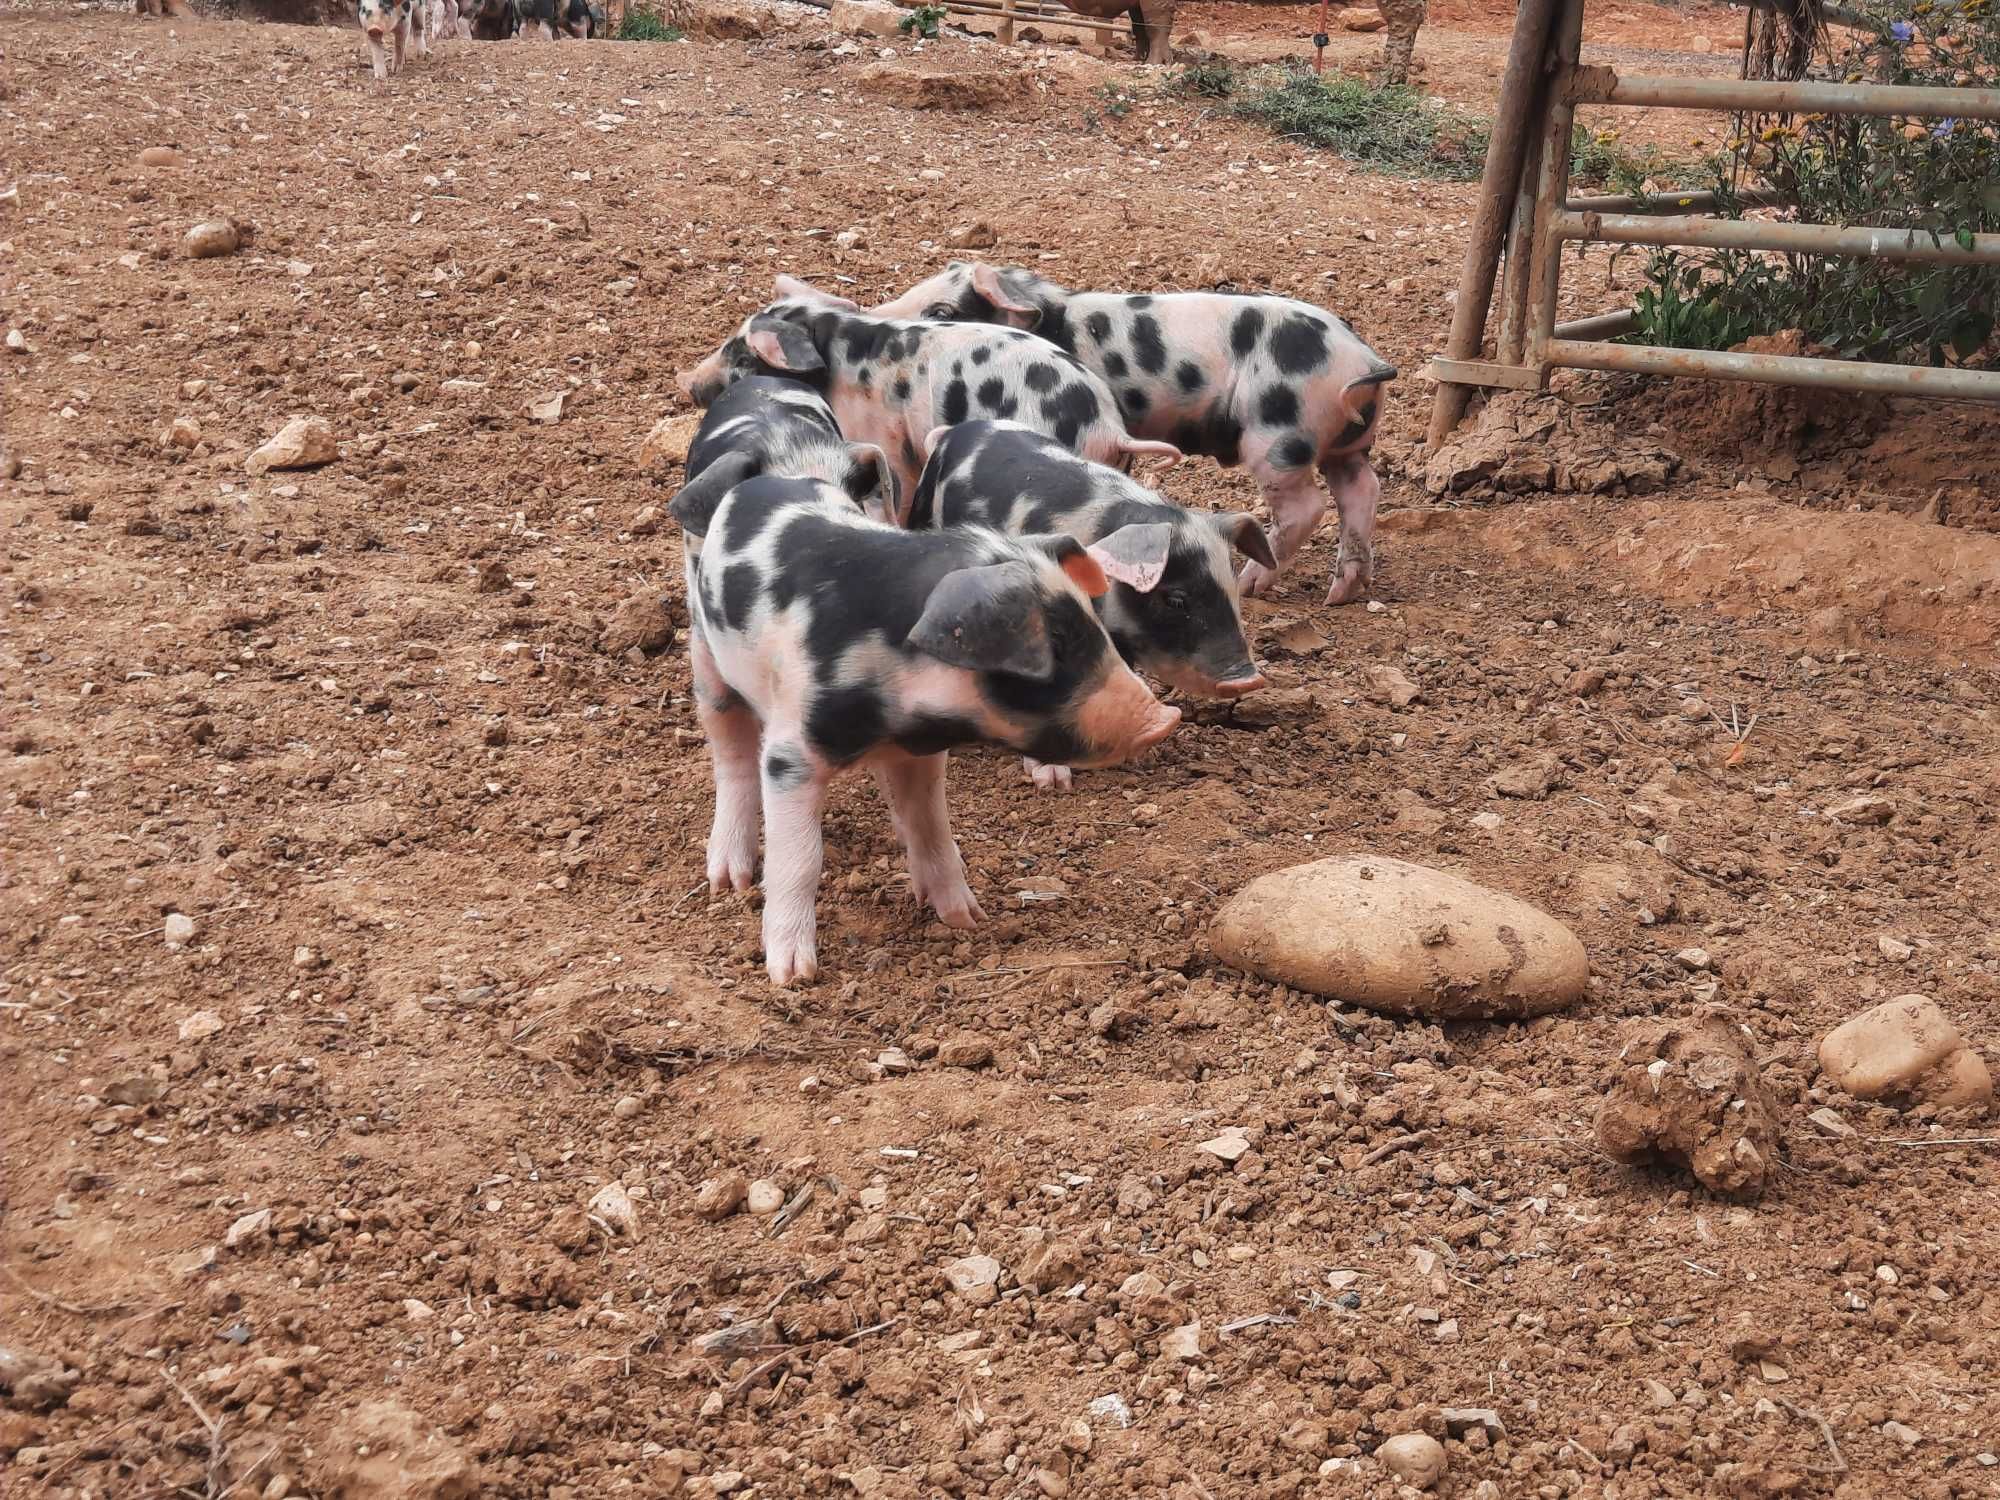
(794, 785)
(1296, 507)
(1356, 492)
(914, 787)
(1047, 778)
(732, 752)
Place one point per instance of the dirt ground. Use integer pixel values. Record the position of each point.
(316, 1197)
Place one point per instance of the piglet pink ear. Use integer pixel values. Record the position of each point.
(1135, 556)
(791, 286)
(991, 283)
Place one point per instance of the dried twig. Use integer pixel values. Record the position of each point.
(1390, 1148)
(797, 1349)
(68, 1307)
(217, 1449)
(1839, 1464)
(1955, 1140)
(1573, 1443)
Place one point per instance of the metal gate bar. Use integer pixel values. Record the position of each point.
(1526, 183)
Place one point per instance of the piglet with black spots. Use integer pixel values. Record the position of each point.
(1171, 609)
(1282, 387)
(823, 640)
(892, 383)
(393, 28)
(764, 424)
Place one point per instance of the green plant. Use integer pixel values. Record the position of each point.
(1696, 303)
(1117, 103)
(1206, 80)
(1392, 128)
(1598, 159)
(646, 26)
(1936, 179)
(923, 21)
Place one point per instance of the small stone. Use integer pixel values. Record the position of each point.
(1183, 1344)
(212, 238)
(719, 1197)
(185, 433)
(1894, 949)
(640, 623)
(965, 1052)
(1586, 682)
(1659, 1394)
(1447, 1331)
(1050, 1483)
(1459, 1419)
(669, 440)
(417, 1310)
(200, 1024)
(646, 521)
(851, 239)
(302, 443)
(1830, 1122)
(1487, 822)
(627, 1107)
(250, 1227)
(1413, 1458)
(1382, 683)
(1909, 1437)
(894, 1060)
(17, 342)
(159, 156)
(1141, 1284)
(1076, 1436)
(406, 380)
(1111, 1408)
(726, 1481)
(614, 1206)
(975, 1278)
(1904, 1051)
(192, 1263)
(1864, 810)
(178, 930)
(1695, 959)
(764, 1198)
(1887, 1274)
(1229, 1146)
(1361, 18)
(977, 235)
(307, 960)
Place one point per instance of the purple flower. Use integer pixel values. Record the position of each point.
(1902, 31)
(1944, 128)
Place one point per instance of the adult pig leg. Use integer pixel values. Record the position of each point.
(732, 733)
(1356, 492)
(794, 783)
(915, 788)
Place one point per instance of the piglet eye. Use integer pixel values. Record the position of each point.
(939, 310)
(1177, 600)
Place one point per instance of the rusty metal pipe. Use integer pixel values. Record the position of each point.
(1603, 326)
(1788, 239)
(1703, 201)
(1777, 369)
(1602, 86)
(1513, 122)
(1513, 336)
(1552, 183)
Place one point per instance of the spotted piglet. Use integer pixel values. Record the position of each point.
(822, 640)
(765, 424)
(1171, 609)
(891, 383)
(1279, 386)
(390, 25)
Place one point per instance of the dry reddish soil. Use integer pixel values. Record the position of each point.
(452, 971)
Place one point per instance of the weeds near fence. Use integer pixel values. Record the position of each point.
(1937, 178)
(646, 26)
(923, 21)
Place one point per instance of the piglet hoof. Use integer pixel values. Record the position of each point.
(1047, 778)
(1349, 585)
(1255, 579)
(732, 864)
(959, 908)
(791, 963)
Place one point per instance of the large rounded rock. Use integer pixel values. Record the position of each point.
(1401, 939)
(1905, 1051)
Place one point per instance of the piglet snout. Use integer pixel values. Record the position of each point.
(1236, 687)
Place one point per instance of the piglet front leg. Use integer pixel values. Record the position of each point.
(794, 783)
(915, 788)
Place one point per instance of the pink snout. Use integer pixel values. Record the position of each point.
(1236, 687)
(1164, 721)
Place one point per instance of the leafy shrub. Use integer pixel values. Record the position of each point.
(645, 26)
(923, 22)
(1392, 128)
(1205, 80)
(1937, 178)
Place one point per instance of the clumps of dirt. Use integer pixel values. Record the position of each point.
(1524, 443)
(1687, 1092)
(1772, 429)
(921, 86)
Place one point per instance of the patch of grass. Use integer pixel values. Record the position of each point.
(1597, 159)
(646, 26)
(1392, 128)
(1206, 80)
(923, 21)
(1117, 103)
